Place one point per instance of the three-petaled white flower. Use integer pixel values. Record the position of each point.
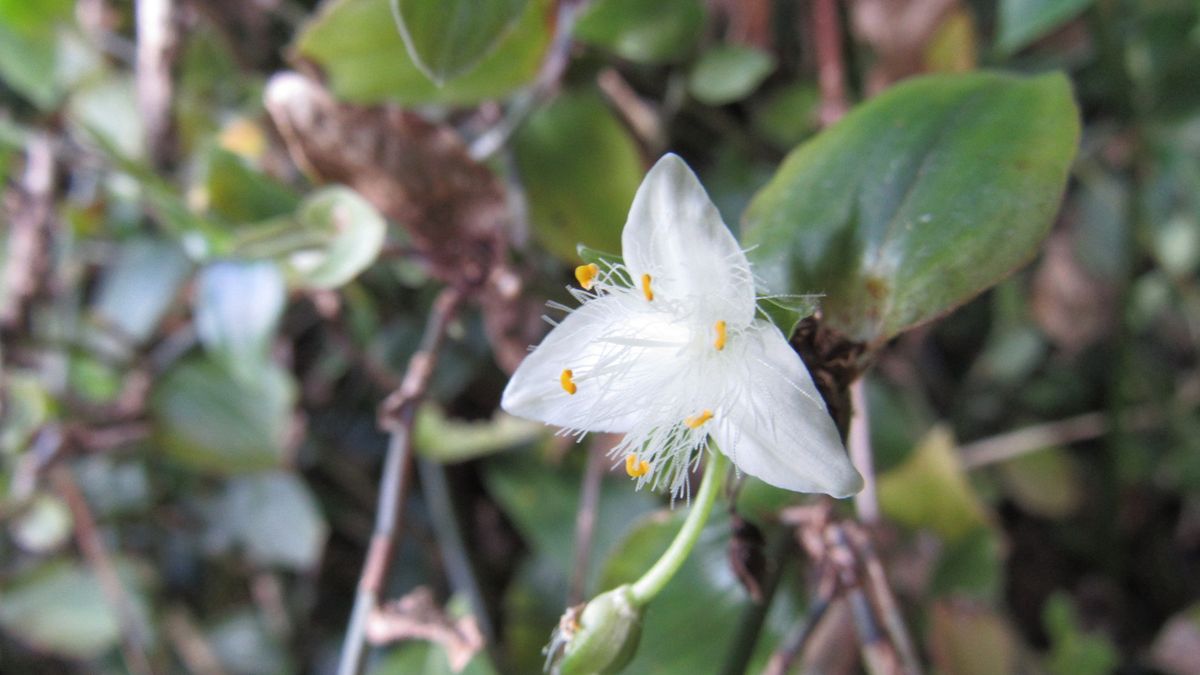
(668, 349)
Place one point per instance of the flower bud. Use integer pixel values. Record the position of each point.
(598, 637)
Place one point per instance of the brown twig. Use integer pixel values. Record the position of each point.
(190, 644)
(396, 416)
(30, 208)
(885, 600)
(585, 521)
(866, 502)
(793, 646)
(831, 71)
(157, 44)
(133, 640)
(553, 66)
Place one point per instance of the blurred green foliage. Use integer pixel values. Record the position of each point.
(198, 328)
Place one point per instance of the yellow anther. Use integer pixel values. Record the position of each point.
(695, 421)
(586, 275)
(567, 380)
(646, 290)
(636, 468)
(719, 343)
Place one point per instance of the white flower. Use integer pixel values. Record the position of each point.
(668, 349)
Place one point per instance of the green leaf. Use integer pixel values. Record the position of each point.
(443, 439)
(43, 526)
(135, 292)
(27, 406)
(930, 489)
(542, 502)
(238, 306)
(787, 311)
(357, 46)
(211, 420)
(424, 658)
(788, 115)
(273, 517)
(1046, 483)
(918, 200)
(60, 608)
(1074, 651)
(729, 73)
(349, 233)
(971, 640)
(446, 38)
(1024, 21)
(642, 31)
(580, 170)
(30, 46)
(241, 194)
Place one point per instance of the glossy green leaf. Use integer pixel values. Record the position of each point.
(237, 308)
(729, 73)
(580, 169)
(918, 200)
(206, 417)
(60, 608)
(443, 439)
(348, 234)
(641, 31)
(273, 517)
(446, 38)
(1024, 21)
(357, 46)
(29, 48)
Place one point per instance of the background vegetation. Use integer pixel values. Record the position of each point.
(229, 226)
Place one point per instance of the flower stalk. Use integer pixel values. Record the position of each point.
(655, 578)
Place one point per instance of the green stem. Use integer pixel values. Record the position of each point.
(644, 589)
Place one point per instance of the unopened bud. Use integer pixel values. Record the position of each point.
(598, 637)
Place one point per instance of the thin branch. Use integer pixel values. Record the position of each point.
(452, 543)
(157, 44)
(396, 415)
(553, 66)
(585, 521)
(30, 208)
(866, 502)
(885, 599)
(190, 644)
(133, 639)
(831, 71)
(793, 646)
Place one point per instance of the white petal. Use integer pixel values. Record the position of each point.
(778, 429)
(676, 235)
(623, 355)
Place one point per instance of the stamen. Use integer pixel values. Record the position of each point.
(568, 382)
(646, 290)
(719, 343)
(586, 275)
(635, 468)
(695, 421)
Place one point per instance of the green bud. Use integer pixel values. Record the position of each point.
(598, 637)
